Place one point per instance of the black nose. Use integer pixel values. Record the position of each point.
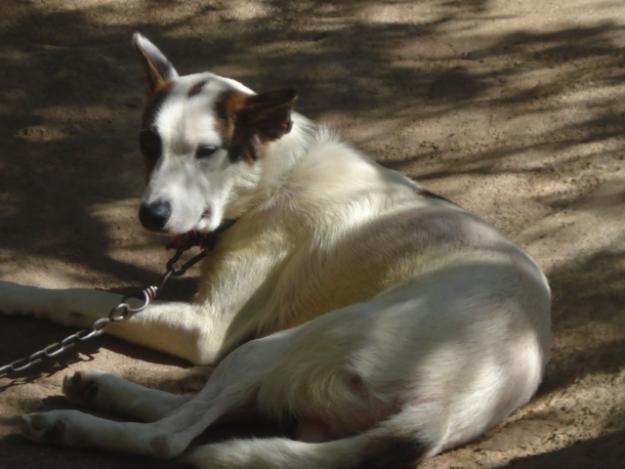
(154, 216)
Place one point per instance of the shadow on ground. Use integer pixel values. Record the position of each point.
(514, 120)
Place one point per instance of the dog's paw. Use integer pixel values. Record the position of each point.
(59, 427)
(82, 387)
(44, 427)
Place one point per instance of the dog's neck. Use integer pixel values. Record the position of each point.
(283, 155)
(277, 162)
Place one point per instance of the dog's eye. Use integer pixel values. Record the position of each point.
(150, 142)
(204, 151)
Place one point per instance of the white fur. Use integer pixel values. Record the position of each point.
(378, 312)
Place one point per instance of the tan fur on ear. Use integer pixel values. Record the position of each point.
(269, 114)
(246, 121)
(152, 77)
(158, 69)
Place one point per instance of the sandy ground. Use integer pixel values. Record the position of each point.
(516, 110)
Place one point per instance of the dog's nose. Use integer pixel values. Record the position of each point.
(154, 216)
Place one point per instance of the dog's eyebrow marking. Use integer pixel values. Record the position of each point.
(196, 89)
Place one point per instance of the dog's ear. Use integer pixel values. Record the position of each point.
(255, 119)
(157, 68)
(269, 114)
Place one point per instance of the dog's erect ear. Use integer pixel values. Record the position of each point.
(269, 114)
(256, 119)
(157, 68)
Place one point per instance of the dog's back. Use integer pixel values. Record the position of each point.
(345, 229)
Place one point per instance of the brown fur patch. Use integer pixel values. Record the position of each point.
(152, 74)
(237, 137)
(270, 113)
(245, 121)
(227, 107)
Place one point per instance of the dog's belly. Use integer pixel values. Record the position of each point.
(349, 408)
(313, 431)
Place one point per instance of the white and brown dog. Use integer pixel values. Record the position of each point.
(388, 322)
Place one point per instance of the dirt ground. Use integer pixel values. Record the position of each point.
(515, 110)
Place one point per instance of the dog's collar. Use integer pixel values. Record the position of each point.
(206, 241)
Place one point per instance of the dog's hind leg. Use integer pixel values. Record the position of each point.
(393, 443)
(176, 328)
(111, 393)
(257, 373)
(232, 385)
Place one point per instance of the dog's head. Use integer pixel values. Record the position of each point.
(202, 137)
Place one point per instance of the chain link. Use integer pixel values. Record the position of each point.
(120, 312)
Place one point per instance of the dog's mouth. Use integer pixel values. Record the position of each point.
(190, 237)
(185, 239)
(201, 238)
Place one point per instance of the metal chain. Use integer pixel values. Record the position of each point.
(119, 312)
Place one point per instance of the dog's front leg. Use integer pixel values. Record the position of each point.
(69, 307)
(176, 328)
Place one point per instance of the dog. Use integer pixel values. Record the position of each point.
(387, 322)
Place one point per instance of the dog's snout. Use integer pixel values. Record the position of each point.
(154, 216)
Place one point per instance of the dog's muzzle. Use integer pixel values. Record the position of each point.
(154, 216)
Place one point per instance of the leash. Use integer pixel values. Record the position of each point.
(122, 310)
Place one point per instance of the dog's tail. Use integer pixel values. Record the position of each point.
(388, 445)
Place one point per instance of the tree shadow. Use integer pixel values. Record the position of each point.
(17, 452)
(586, 308)
(70, 175)
(606, 451)
(76, 147)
